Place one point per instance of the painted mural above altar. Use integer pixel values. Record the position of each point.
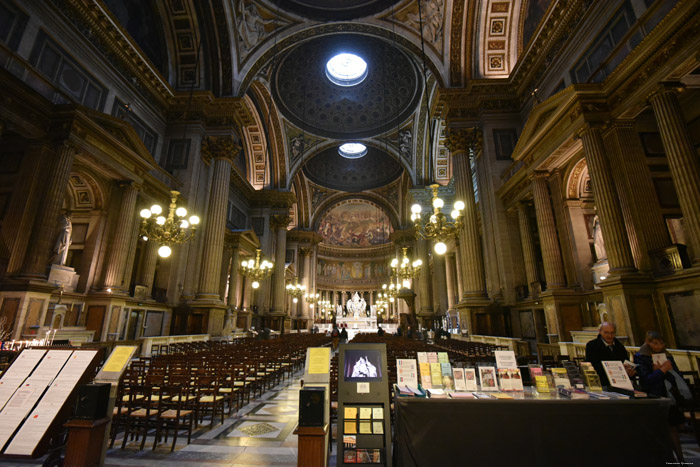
(356, 223)
(357, 272)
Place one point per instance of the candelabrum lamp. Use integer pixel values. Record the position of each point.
(175, 229)
(256, 270)
(312, 298)
(405, 270)
(437, 227)
(295, 290)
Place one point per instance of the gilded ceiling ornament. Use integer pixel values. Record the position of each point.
(280, 221)
(215, 147)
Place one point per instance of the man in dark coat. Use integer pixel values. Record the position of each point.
(606, 347)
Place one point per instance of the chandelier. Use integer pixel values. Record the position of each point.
(438, 227)
(256, 270)
(405, 271)
(295, 290)
(312, 299)
(173, 230)
(390, 291)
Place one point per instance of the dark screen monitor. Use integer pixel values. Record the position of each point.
(363, 366)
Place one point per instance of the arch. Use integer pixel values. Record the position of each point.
(578, 185)
(85, 193)
(340, 198)
(362, 228)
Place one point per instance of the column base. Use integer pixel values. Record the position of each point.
(630, 304)
(469, 309)
(206, 319)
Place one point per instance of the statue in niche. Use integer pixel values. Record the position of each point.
(432, 20)
(298, 146)
(598, 241)
(63, 241)
(405, 143)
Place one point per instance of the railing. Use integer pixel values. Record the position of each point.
(511, 343)
(150, 342)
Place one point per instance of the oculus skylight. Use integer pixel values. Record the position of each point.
(352, 150)
(346, 69)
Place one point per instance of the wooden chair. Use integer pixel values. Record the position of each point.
(173, 413)
(208, 398)
(141, 415)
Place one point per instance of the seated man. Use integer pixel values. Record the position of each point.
(606, 347)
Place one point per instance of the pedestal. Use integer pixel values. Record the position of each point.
(85, 440)
(312, 445)
(63, 276)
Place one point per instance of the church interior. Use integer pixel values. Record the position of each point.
(509, 172)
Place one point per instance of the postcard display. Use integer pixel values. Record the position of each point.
(364, 425)
(36, 397)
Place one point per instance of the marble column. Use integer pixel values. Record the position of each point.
(279, 225)
(549, 242)
(43, 235)
(224, 273)
(233, 281)
(306, 254)
(441, 282)
(148, 267)
(461, 142)
(450, 279)
(119, 248)
(528, 246)
(612, 222)
(682, 157)
(458, 269)
(221, 150)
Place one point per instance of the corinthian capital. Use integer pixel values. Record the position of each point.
(219, 147)
(464, 139)
(280, 221)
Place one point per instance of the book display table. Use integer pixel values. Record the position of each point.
(530, 432)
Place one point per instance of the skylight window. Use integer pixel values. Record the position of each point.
(352, 150)
(346, 69)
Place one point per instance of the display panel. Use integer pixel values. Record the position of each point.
(363, 366)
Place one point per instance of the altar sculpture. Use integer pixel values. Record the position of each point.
(357, 306)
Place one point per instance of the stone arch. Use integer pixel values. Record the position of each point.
(85, 193)
(341, 198)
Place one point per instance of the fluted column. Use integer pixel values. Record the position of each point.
(458, 269)
(612, 222)
(528, 246)
(221, 150)
(551, 255)
(450, 279)
(119, 249)
(233, 297)
(426, 305)
(461, 142)
(224, 272)
(306, 254)
(42, 236)
(682, 159)
(148, 267)
(279, 225)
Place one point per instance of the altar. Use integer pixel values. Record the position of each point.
(351, 322)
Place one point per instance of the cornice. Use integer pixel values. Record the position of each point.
(212, 111)
(273, 199)
(92, 21)
(304, 236)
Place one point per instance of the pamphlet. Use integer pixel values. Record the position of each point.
(592, 380)
(407, 372)
(447, 380)
(541, 384)
(350, 428)
(505, 359)
(425, 379)
(351, 412)
(617, 375)
(470, 379)
(422, 357)
(378, 413)
(443, 358)
(659, 358)
(365, 412)
(436, 375)
(504, 379)
(377, 427)
(561, 378)
(366, 428)
(516, 379)
(487, 376)
(458, 375)
(432, 357)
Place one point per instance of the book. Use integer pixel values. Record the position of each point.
(597, 395)
(460, 395)
(375, 455)
(363, 457)
(406, 372)
(504, 379)
(458, 378)
(436, 375)
(447, 379)
(592, 380)
(541, 384)
(425, 379)
(365, 428)
(534, 370)
(378, 427)
(571, 393)
(500, 395)
(350, 441)
(487, 376)
(432, 357)
(617, 375)
(586, 366)
(404, 391)
(516, 379)
(470, 379)
(350, 456)
(560, 377)
(481, 395)
(350, 412)
(505, 359)
(436, 393)
(365, 412)
(378, 413)
(422, 357)
(443, 358)
(350, 428)
(573, 372)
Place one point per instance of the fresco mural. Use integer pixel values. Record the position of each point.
(355, 224)
(329, 270)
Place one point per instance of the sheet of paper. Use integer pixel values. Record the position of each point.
(18, 372)
(119, 358)
(505, 359)
(319, 360)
